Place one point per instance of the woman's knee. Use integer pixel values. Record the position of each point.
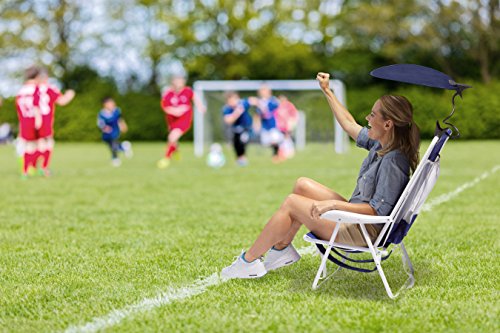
(302, 185)
(289, 201)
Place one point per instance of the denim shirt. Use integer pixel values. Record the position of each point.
(381, 180)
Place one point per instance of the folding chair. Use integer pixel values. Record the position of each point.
(395, 228)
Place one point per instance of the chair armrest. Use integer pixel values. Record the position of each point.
(340, 216)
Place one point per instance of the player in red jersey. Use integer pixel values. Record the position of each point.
(27, 101)
(49, 97)
(35, 108)
(177, 105)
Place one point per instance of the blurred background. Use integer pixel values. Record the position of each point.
(127, 49)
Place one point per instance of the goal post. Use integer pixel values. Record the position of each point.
(201, 88)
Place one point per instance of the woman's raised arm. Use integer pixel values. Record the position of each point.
(339, 111)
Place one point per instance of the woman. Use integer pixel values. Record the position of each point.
(392, 139)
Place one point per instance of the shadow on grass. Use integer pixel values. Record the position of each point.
(347, 284)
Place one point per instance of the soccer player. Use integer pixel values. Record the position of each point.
(236, 114)
(266, 105)
(111, 124)
(286, 120)
(177, 105)
(49, 96)
(27, 101)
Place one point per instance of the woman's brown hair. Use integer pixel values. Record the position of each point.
(406, 134)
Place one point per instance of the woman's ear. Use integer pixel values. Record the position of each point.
(388, 124)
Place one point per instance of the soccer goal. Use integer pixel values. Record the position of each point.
(305, 94)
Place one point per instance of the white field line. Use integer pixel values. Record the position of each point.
(166, 297)
(450, 195)
(201, 285)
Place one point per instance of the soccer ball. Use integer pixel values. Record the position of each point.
(215, 158)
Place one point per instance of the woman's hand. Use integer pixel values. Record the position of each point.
(341, 114)
(320, 207)
(324, 80)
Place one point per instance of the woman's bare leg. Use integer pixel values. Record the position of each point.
(311, 189)
(295, 211)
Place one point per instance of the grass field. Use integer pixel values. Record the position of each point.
(94, 239)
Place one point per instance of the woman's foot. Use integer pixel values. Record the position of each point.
(279, 258)
(242, 269)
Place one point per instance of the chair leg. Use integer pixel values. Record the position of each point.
(325, 271)
(376, 258)
(407, 263)
(322, 268)
(406, 258)
(384, 280)
(324, 276)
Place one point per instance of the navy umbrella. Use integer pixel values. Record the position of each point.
(420, 75)
(423, 76)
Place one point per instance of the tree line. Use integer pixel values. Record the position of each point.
(127, 48)
(233, 39)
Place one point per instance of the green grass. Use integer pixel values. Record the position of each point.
(94, 238)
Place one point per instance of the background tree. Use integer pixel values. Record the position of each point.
(449, 35)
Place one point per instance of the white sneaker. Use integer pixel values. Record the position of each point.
(127, 149)
(279, 258)
(240, 269)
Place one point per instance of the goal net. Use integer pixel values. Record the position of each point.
(304, 94)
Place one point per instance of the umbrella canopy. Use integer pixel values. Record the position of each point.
(424, 76)
(420, 75)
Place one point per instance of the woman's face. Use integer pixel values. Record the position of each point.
(378, 128)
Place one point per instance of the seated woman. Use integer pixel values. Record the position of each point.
(392, 139)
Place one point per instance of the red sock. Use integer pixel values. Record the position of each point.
(46, 158)
(29, 160)
(170, 150)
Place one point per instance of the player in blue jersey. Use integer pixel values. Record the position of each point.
(266, 105)
(111, 124)
(236, 114)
